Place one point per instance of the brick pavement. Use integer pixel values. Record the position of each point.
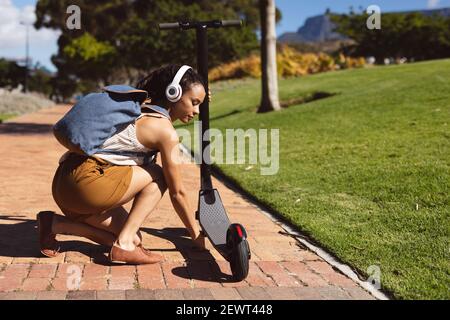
(279, 268)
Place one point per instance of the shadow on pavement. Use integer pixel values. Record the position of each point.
(20, 240)
(25, 128)
(200, 265)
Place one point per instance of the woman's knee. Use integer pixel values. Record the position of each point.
(157, 174)
(155, 186)
(144, 179)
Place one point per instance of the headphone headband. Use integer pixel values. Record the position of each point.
(180, 74)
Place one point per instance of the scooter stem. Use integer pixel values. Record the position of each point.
(201, 28)
(202, 66)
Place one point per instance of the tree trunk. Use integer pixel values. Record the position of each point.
(270, 100)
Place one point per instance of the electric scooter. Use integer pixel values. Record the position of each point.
(229, 239)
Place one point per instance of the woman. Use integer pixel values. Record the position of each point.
(90, 191)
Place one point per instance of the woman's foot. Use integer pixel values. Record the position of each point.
(149, 252)
(138, 255)
(47, 239)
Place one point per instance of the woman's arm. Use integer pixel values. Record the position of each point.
(162, 136)
(171, 160)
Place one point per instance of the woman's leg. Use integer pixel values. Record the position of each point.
(112, 221)
(63, 225)
(147, 187)
(100, 228)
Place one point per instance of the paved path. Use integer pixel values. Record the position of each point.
(279, 268)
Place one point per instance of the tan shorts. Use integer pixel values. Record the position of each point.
(83, 186)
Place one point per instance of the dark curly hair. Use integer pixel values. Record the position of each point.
(158, 80)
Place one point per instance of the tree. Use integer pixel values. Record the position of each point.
(411, 35)
(40, 80)
(97, 57)
(11, 74)
(126, 33)
(270, 99)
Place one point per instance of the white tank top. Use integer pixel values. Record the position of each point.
(124, 149)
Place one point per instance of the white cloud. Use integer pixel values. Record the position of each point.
(433, 3)
(13, 34)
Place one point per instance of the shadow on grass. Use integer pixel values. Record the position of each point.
(318, 95)
(227, 114)
(216, 117)
(200, 265)
(25, 128)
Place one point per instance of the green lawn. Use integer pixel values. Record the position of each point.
(4, 116)
(365, 173)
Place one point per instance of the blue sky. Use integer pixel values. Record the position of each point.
(295, 12)
(43, 42)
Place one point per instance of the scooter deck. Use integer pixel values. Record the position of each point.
(213, 217)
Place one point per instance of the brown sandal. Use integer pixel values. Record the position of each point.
(138, 256)
(47, 240)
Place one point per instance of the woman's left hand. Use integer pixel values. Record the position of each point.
(200, 243)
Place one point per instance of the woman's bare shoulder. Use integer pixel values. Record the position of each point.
(152, 131)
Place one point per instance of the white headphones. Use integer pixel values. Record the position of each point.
(173, 90)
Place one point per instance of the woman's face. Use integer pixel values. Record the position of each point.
(189, 105)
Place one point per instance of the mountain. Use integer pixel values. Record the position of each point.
(443, 12)
(316, 29)
(320, 28)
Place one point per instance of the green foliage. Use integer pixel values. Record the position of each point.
(88, 48)
(154, 48)
(11, 74)
(411, 35)
(63, 87)
(40, 81)
(290, 62)
(92, 58)
(125, 37)
(5, 117)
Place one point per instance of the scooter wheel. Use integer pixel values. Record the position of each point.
(239, 260)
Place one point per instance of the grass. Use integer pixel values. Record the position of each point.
(366, 172)
(5, 116)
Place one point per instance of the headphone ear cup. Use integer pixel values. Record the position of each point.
(173, 92)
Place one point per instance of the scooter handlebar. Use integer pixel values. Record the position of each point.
(191, 25)
(167, 26)
(231, 23)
